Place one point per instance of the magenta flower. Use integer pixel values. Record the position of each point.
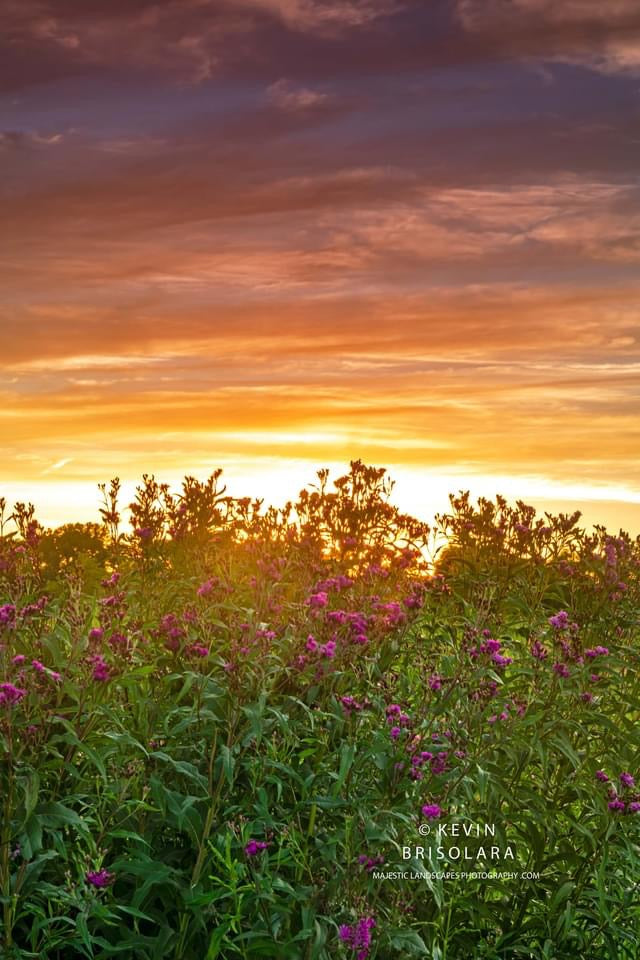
(38, 667)
(560, 621)
(199, 651)
(317, 600)
(395, 732)
(7, 615)
(501, 661)
(634, 807)
(431, 811)
(561, 669)
(254, 847)
(596, 652)
(627, 780)
(616, 805)
(96, 633)
(19, 658)
(205, 588)
(358, 936)
(601, 776)
(10, 694)
(100, 878)
(100, 667)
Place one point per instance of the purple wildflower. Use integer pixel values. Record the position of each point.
(254, 847)
(100, 878)
(431, 811)
(10, 694)
(358, 936)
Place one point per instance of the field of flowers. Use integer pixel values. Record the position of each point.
(241, 732)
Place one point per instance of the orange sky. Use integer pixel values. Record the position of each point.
(272, 235)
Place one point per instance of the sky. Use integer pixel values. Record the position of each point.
(276, 235)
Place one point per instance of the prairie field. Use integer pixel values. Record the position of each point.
(324, 731)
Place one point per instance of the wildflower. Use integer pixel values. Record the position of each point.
(435, 682)
(538, 651)
(370, 863)
(560, 621)
(100, 878)
(311, 644)
(595, 677)
(601, 776)
(254, 847)
(439, 763)
(627, 780)
(317, 600)
(11, 694)
(561, 669)
(329, 648)
(96, 633)
(395, 732)
(199, 650)
(349, 704)
(501, 661)
(358, 936)
(596, 652)
(205, 588)
(38, 667)
(100, 668)
(616, 805)
(587, 697)
(19, 658)
(431, 811)
(634, 807)
(7, 615)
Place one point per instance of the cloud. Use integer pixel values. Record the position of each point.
(326, 14)
(287, 97)
(602, 36)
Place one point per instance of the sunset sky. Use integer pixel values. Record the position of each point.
(272, 235)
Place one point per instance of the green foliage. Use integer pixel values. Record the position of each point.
(218, 732)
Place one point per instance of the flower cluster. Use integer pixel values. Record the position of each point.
(490, 647)
(358, 936)
(100, 878)
(10, 694)
(254, 847)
